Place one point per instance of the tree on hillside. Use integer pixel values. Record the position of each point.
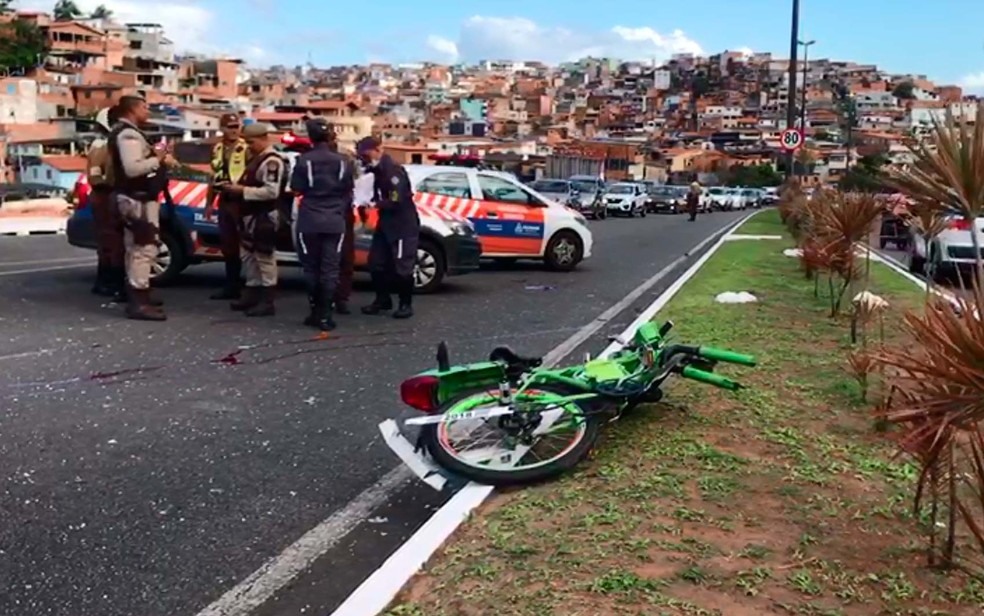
(904, 90)
(101, 12)
(866, 176)
(753, 176)
(66, 10)
(22, 46)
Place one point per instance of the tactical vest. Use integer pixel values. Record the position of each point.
(251, 177)
(232, 168)
(142, 188)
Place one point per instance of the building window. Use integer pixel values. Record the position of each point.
(48, 174)
(416, 159)
(449, 184)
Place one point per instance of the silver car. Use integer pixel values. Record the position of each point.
(948, 252)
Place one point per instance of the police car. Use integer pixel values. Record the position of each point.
(448, 242)
(512, 221)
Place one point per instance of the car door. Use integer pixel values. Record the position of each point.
(510, 219)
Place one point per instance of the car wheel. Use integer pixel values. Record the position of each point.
(882, 243)
(564, 251)
(429, 269)
(170, 262)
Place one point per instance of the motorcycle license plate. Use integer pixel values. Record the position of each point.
(494, 411)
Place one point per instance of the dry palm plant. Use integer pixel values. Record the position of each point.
(949, 171)
(847, 221)
(861, 365)
(941, 378)
(928, 221)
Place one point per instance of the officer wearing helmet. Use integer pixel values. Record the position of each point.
(110, 271)
(323, 180)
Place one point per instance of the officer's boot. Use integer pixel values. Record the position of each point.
(116, 280)
(250, 298)
(325, 321)
(101, 286)
(232, 287)
(265, 307)
(405, 291)
(139, 307)
(383, 301)
(153, 300)
(314, 305)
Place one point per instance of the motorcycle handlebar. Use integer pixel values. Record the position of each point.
(710, 378)
(714, 354)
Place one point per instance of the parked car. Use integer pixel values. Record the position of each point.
(752, 197)
(626, 199)
(771, 195)
(947, 253)
(718, 198)
(566, 192)
(668, 199)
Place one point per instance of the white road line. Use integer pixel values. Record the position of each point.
(280, 570)
(47, 269)
(379, 589)
(26, 354)
(89, 259)
(277, 572)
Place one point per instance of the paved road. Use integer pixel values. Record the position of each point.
(148, 468)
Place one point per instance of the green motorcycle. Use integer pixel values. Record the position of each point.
(509, 421)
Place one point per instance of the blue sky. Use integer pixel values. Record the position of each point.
(943, 39)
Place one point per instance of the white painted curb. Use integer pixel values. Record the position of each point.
(378, 590)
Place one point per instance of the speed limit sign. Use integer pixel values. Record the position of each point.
(791, 139)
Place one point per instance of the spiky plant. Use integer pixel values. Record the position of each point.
(949, 172)
(848, 221)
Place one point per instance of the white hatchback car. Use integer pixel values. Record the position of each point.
(512, 221)
(948, 252)
(626, 199)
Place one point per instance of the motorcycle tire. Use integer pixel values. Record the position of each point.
(566, 461)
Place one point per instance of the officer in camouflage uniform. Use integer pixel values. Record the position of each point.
(139, 179)
(259, 192)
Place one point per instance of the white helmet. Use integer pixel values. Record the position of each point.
(102, 118)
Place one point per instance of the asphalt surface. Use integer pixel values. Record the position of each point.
(146, 468)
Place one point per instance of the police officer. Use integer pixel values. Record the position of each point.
(138, 179)
(346, 270)
(323, 179)
(228, 165)
(258, 191)
(110, 273)
(693, 200)
(393, 253)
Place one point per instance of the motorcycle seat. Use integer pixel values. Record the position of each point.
(511, 358)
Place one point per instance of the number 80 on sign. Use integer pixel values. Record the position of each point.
(791, 139)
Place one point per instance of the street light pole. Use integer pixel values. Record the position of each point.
(791, 95)
(806, 65)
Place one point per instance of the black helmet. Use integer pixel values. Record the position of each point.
(319, 130)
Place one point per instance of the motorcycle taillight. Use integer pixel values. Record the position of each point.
(420, 392)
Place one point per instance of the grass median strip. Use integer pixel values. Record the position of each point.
(779, 499)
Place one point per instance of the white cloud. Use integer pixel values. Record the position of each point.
(518, 38)
(745, 51)
(444, 47)
(973, 84)
(187, 24)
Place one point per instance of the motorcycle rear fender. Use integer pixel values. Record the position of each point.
(457, 379)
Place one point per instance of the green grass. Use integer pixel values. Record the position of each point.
(778, 499)
(765, 222)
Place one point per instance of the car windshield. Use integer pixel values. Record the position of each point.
(717, 191)
(622, 189)
(550, 186)
(663, 191)
(585, 187)
(749, 193)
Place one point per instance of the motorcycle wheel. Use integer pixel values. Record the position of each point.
(507, 462)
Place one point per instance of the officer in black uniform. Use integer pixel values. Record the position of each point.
(393, 253)
(324, 181)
